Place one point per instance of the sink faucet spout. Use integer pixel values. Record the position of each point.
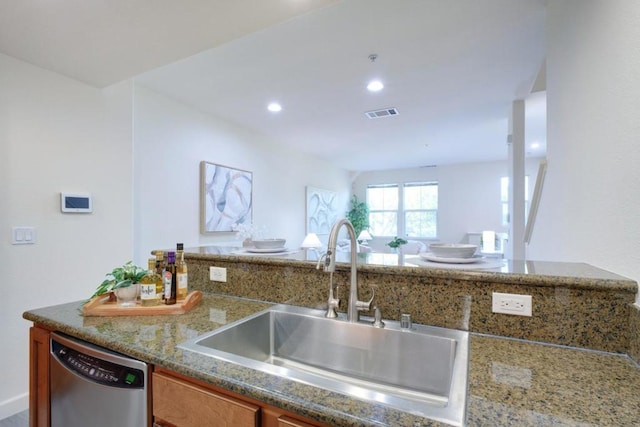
(354, 306)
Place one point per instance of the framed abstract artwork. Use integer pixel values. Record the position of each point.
(225, 197)
(322, 210)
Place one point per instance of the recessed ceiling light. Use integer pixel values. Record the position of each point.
(274, 107)
(375, 86)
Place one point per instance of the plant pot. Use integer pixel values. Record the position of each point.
(127, 296)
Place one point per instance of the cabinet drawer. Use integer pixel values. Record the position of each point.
(187, 405)
(285, 421)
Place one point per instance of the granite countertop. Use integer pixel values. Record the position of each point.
(539, 273)
(510, 382)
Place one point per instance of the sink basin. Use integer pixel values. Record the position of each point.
(422, 371)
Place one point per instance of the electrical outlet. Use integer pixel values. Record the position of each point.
(519, 305)
(218, 274)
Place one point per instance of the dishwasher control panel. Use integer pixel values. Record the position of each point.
(97, 370)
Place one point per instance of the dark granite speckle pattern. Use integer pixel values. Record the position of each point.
(518, 383)
(574, 304)
(511, 382)
(634, 332)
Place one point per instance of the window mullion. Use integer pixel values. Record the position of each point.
(401, 219)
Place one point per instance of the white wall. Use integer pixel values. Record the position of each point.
(171, 139)
(590, 206)
(56, 135)
(468, 195)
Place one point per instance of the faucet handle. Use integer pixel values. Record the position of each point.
(366, 305)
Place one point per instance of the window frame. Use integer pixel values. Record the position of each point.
(401, 211)
(405, 211)
(378, 211)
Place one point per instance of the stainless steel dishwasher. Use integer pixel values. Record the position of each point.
(94, 386)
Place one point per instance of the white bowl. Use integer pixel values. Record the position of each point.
(269, 243)
(453, 250)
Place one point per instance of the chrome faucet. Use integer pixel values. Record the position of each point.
(354, 306)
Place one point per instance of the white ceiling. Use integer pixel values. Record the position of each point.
(451, 68)
(101, 42)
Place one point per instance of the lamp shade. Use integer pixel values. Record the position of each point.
(311, 241)
(364, 236)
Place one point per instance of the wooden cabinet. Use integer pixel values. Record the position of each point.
(284, 421)
(180, 401)
(187, 405)
(39, 412)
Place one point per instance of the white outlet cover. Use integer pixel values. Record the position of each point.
(515, 304)
(218, 274)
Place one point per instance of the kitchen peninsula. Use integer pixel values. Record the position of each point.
(574, 304)
(511, 382)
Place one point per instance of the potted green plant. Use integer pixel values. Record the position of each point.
(123, 282)
(358, 215)
(396, 242)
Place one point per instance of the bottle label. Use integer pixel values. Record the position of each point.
(182, 280)
(167, 284)
(182, 286)
(147, 291)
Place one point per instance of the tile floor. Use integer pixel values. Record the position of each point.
(21, 419)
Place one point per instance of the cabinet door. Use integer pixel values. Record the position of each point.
(187, 405)
(39, 377)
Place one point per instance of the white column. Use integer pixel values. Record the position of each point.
(516, 181)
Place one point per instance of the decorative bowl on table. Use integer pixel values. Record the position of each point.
(453, 250)
(127, 296)
(269, 243)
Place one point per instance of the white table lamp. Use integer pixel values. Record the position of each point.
(311, 241)
(364, 236)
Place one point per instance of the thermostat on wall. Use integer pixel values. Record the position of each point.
(76, 203)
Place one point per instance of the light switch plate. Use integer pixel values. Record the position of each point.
(23, 236)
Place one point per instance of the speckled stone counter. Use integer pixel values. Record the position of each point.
(634, 332)
(574, 304)
(511, 382)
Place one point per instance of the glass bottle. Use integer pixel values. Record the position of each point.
(181, 268)
(149, 286)
(170, 277)
(160, 271)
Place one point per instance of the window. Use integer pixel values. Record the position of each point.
(504, 198)
(412, 212)
(383, 209)
(421, 209)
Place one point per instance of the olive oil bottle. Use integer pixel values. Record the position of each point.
(181, 268)
(149, 284)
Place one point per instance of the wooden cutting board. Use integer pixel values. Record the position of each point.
(103, 306)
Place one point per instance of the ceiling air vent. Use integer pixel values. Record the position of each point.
(385, 112)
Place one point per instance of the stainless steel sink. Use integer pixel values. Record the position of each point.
(422, 371)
